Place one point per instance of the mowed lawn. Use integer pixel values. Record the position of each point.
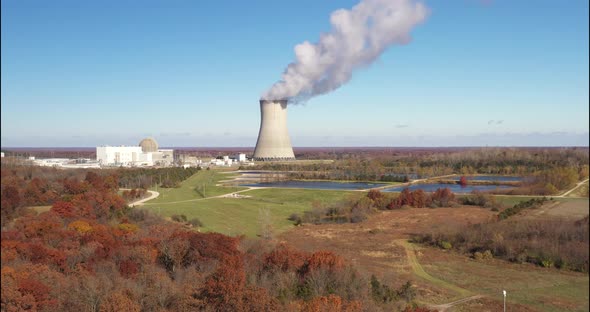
(239, 216)
(201, 185)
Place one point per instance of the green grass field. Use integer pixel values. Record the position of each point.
(510, 201)
(236, 216)
(200, 185)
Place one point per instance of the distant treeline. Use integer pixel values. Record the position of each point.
(150, 177)
(547, 170)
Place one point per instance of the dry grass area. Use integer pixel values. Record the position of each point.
(377, 246)
(529, 287)
(39, 209)
(580, 191)
(372, 245)
(574, 209)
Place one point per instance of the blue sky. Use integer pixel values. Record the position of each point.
(190, 73)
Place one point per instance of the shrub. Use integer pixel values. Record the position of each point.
(521, 257)
(294, 217)
(382, 293)
(128, 227)
(445, 245)
(443, 197)
(531, 204)
(520, 241)
(560, 263)
(196, 222)
(407, 292)
(358, 215)
(80, 226)
(178, 218)
(546, 263)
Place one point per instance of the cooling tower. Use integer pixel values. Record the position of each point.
(273, 139)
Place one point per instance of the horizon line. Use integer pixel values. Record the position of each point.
(299, 147)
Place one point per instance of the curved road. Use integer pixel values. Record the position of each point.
(139, 202)
(204, 198)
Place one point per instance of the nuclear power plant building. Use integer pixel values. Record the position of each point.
(146, 154)
(273, 138)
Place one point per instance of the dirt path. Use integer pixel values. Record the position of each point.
(445, 306)
(419, 271)
(153, 194)
(573, 189)
(204, 198)
(410, 183)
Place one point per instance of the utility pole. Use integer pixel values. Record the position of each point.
(504, 292)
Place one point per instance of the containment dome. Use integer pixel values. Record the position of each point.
(148, 145)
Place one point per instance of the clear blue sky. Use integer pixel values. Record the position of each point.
(190, 73)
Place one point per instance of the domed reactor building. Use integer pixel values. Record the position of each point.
(273, 138)
(154, 155)
(147, 153)
(148, 145)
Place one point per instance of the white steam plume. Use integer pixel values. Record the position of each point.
(357, 38)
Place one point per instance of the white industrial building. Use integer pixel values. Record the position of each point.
(146, 154)
(241, 157)
(119, 155)
(65, 163)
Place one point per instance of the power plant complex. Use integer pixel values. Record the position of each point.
(146, 153)
(273, 138)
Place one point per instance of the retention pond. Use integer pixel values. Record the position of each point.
(318, 185)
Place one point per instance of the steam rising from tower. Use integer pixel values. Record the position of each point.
(273, 139)
(357, 38)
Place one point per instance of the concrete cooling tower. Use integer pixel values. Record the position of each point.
(273, 139)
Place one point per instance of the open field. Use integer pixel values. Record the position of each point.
(511, 200)
(536, 287)
(378, 246)
(242, 215)
(200, 185)
(570, 208)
